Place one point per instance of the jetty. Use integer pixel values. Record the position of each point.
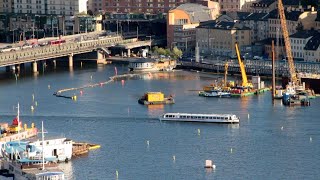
(79, 149)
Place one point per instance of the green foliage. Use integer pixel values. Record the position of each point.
(175, 53)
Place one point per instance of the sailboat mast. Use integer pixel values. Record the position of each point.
(18, 119)
(42, 145)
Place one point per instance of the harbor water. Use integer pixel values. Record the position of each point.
(271, 141)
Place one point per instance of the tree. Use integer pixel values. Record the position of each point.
(176, 53)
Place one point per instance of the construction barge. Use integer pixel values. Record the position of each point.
(154, 98)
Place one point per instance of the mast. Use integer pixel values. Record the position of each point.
(18, 119)
(42, 145)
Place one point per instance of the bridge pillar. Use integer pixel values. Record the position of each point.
(35, 67)
(128, 53)
(54, 64)
(17, 68)
(71, 60)
(100, 58)
(8, 69)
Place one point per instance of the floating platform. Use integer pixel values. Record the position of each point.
(165, 101)
(262, 90)
(79, 149)
(243, 94)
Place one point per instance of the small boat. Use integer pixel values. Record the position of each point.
(152, 98)
(215, 93)
(210, 118)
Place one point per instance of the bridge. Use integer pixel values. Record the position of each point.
(68, 49)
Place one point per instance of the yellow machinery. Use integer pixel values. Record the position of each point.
(292, 71)
(154, 96)
(245, 82)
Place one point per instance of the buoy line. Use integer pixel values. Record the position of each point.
(112, 78)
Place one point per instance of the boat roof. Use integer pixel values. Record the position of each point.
(201, 114)
(48, 171)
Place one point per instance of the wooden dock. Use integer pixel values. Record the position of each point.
(79, 149)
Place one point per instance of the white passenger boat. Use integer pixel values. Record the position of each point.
(211, 118)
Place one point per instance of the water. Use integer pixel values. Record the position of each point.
(110, 116)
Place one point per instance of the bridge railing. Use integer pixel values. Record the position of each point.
(47, 52)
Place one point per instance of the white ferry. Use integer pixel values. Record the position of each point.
(211, 118)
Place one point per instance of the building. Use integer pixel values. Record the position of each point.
(219, 37)
(234, 5)
(298, 43)
(312, 49)
(182, 22)
(258, 23)
(38, 7)
(292, 19)
(266, 6)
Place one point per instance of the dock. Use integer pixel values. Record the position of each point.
(79, 149)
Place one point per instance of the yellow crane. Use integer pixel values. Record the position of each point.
(292, 71)
(245, 82)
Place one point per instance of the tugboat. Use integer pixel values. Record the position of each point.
(151, 98)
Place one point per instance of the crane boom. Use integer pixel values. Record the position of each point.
(292, 71)
(242, 69)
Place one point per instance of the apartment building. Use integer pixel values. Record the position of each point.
(134, 6)
(292, 18)
(182, 22)
(219, 37)
(234, 5)
(257, 22)
(44, 7)
(298, 43)
(312, 49)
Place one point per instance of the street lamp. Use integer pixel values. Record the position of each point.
(210, 44)
(172, 44)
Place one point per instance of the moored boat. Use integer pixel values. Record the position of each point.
(210, 118)
(215, 93)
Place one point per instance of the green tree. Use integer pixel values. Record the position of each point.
(176, 53)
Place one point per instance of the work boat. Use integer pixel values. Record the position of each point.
(210, 118)
(215, 93)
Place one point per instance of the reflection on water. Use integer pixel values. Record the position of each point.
(67, 169)
(155, 109)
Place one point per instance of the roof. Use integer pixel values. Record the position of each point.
(292, 15)
(304, 34)
(197, 13)
(263, 3)
(222, 25)
(257, 16)
(237, 15)
(267, 3)
(142, 60)
(313, 43)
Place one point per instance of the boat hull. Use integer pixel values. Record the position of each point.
(165, 101)
(205, 118)
(214, 94)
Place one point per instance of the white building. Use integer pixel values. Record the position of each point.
(47, 7)
(298, 42)
(312, 49)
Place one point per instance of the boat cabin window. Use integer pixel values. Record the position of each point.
(188, 116)
(214, 117)
(226, 118)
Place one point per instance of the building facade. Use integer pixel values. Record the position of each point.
(234, 5)
(182, 22)
(312, 49)
(219, 38)
(298, 43)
